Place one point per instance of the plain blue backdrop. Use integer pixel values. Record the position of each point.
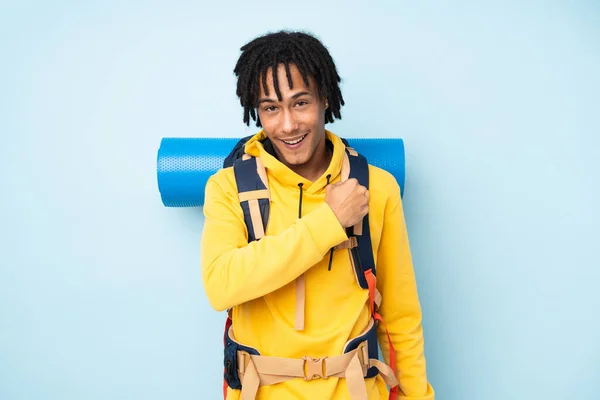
(498, 102)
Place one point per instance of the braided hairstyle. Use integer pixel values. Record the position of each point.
(306, 52)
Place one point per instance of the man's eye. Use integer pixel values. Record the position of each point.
(269, 108)
(301, 103)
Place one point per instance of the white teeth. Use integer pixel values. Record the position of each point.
(296, 141)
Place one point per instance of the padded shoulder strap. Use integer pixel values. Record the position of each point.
(362, 254)
(254, 195)
(236, 153)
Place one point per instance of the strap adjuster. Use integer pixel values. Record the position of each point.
(243, 359)
(351, 243)
(314, 368)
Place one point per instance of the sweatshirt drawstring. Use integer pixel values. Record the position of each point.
(300, 202)
(300, 282)
(300, 216)
(330, 251)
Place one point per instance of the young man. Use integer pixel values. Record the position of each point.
(305, 315)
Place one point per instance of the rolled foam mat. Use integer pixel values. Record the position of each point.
(185, 164)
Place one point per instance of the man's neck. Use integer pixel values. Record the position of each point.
(317, 165)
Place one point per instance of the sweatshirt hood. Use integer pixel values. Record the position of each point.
(260, 146)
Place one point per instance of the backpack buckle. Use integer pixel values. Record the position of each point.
(314, 368)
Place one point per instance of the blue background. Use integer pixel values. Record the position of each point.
(100, 288)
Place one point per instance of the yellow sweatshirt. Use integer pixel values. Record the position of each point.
(256, 280)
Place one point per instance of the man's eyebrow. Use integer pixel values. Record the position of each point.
(268, 100)
(300, 94)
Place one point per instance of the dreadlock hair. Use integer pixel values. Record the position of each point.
(306, 52)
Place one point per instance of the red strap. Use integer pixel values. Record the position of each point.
(394, 390)
(372, 283)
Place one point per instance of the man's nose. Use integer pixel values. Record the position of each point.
(289, 124)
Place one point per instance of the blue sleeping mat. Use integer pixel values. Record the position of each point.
(185, 164)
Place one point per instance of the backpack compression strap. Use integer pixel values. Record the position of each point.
(254, 195)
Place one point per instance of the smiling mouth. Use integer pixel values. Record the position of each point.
(293, 142)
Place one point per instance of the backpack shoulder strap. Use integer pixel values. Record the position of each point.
(236, 152)
(254, 195)
(362, 254)
(255, 200)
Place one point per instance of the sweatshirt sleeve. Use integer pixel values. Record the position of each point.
(400, 307)
(235, 271)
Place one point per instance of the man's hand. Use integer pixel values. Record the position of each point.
(348, 200)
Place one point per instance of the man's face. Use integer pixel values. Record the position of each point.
(295, 125)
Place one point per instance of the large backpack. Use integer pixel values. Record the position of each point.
(252, 186)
